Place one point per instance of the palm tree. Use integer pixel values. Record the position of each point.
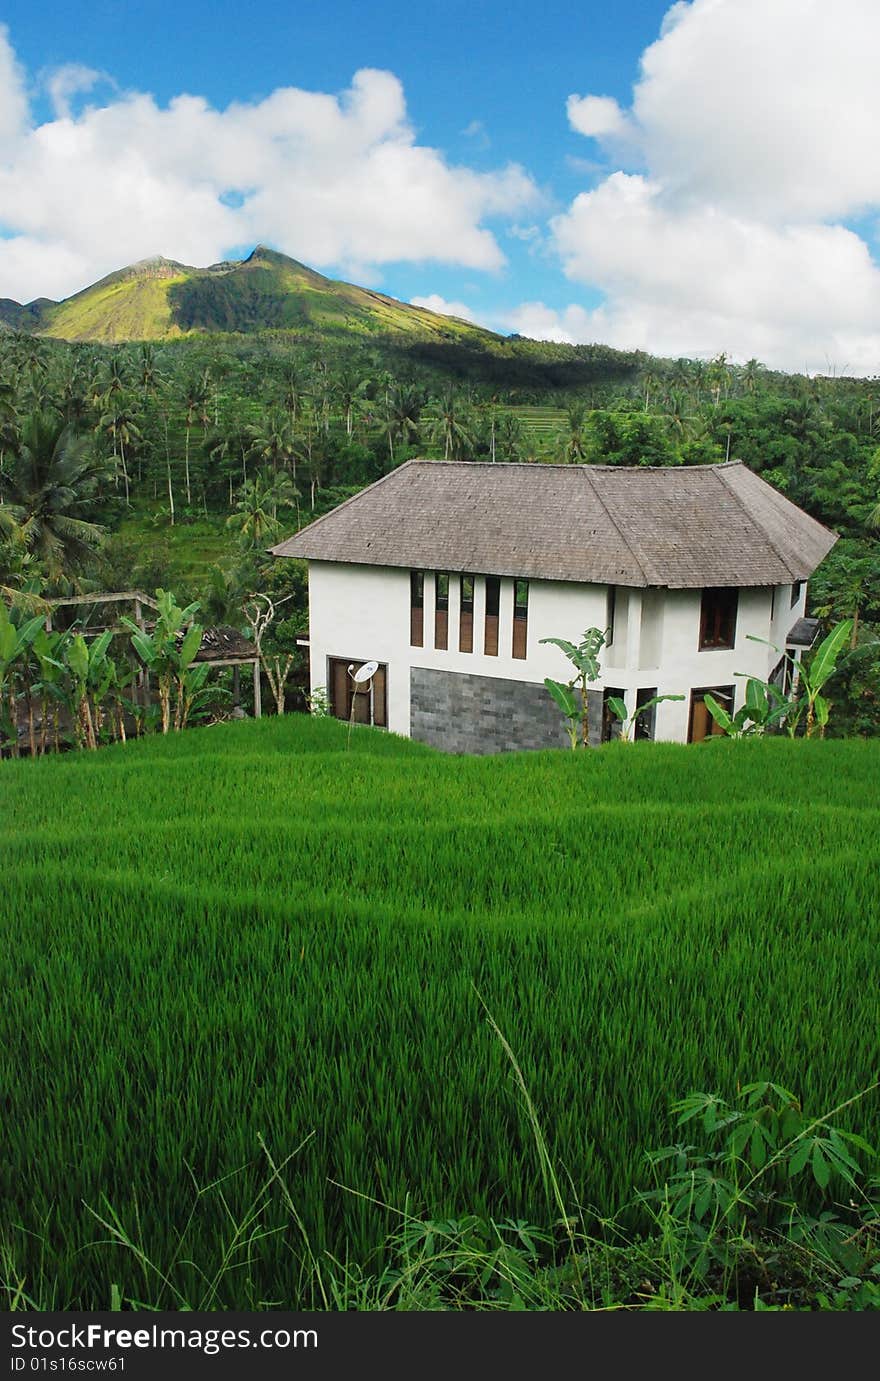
(450, 428)
(256, 509)
(402, 414)
(350, 388)
(118, 421)
(272, 440)
(195, 405)
(576, 446)
(52, 486)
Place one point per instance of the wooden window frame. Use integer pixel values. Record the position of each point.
(441, 611)
(493, 614)
(417, 608)
(698, 694)
(375, 697)
(719, 609)
(466, 613)
(520, 620)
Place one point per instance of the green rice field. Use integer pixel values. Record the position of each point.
(250, 943)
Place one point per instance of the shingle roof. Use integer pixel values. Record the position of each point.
(678, 526)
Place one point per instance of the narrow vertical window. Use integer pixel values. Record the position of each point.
(416, 608)
(610, 609)
(796, 591)
(520, 617)
(493, 605)
(466, 614)
(441, 611)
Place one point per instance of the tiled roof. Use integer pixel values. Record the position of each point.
(678, 526)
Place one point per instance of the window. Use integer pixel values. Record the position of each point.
(718, 618)
(416, 608)
(364, 704)
(701, 724)
(466, 615)
(493, 605)
(441, 610)
(796, 591)
(520, 617)
(610, 610)
(611, 725)
(772, 603)
(645, 723)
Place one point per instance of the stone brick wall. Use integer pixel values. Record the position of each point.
(488, 714)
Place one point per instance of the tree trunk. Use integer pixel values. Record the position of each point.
(186, 468)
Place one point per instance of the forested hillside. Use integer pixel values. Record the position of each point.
(175, 463)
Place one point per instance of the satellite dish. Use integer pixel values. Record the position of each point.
(365, 672)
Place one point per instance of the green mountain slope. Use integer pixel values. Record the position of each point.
(158, 299)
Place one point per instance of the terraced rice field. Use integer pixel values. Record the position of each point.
(251, 942)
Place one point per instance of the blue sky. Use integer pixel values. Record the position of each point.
(723, 197)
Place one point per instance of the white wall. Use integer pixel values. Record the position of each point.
(363, 612)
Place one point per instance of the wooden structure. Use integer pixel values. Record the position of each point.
(220, 647)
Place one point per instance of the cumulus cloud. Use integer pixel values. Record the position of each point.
(13, 98)
(754, 124)
(571, 326)
(598, 116)
(435, 303)
(335, 180)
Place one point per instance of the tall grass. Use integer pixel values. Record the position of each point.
(251, 940)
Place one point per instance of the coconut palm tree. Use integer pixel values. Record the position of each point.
(256, 509)
(51, 487)
(450, 427)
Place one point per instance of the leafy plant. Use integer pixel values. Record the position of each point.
(572, 697)
(169, 652)
(17, 636)
(628, 721)
(92, 672)
(767, 706)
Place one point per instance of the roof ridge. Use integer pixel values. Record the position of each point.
(769, 540)
(316, 522)
(614, 522)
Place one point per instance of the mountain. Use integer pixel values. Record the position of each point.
(159, 299)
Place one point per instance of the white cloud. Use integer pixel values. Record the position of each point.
(597, 116)
(66, 82)
(435, 303)
(572, 326)
(767, 106)
(756, 121)
(332, 180)
(13, 99)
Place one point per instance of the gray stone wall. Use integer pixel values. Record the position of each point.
(488, 714)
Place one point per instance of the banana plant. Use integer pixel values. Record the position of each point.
(820, 668)
(584, 657)
(92, 673)
(50, 652)
(16, 640)
(168, 652)
(766, 706)
(628, 721)
(812, 676)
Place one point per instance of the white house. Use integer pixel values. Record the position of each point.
(449, 574)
